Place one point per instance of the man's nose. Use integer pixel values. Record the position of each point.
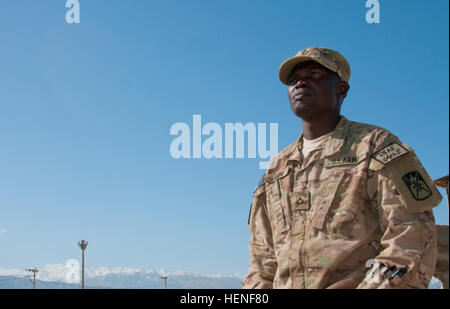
(301, 83)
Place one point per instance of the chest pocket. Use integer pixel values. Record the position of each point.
(277, 189)
(326, 197)
(342, 167)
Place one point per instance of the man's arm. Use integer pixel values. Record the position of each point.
(263, 263)
(404, 195)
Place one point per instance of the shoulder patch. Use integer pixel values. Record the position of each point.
(417, 185)
(390, 153)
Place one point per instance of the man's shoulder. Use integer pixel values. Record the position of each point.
(278, 162)
(286, 152)
(373, 136)
(276, 165)
(396, 161)
(360, 129)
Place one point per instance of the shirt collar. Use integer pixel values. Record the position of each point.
(337, 140)
(333, 146)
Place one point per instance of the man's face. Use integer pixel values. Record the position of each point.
(312, 90)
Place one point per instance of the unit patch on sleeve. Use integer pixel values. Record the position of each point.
(417, 185)
(389, 153)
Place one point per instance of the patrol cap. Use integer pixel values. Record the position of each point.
(329, 58)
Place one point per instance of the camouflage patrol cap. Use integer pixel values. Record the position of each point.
(329, 58)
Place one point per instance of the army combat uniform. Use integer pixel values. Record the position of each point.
(355, 213)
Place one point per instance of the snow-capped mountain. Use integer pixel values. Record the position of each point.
(55, 277)
(103, 277)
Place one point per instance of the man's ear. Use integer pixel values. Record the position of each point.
(343, 88)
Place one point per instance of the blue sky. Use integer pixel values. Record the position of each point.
(87, 109)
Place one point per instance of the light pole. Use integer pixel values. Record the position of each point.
(82, 244)
(165, 281)
(34, 271)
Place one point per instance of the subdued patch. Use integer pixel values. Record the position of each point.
(417, 185)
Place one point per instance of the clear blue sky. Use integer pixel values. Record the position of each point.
(86, 111)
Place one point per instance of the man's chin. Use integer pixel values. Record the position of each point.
(302, 112)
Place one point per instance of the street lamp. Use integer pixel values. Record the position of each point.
(82, 244)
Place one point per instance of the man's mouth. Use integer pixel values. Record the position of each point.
(301, 94)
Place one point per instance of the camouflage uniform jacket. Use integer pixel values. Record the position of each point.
(362, 199)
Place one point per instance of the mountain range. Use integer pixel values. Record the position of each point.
(54, 277)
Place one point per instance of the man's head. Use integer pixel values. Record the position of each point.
(317, 80)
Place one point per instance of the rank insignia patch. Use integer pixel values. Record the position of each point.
(300, 200)
(417, 185)
(389, 153)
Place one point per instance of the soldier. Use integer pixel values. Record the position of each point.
(347, 205)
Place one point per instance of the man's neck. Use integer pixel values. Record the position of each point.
(318, 126)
